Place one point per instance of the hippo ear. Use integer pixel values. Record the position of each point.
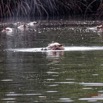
(3, 30)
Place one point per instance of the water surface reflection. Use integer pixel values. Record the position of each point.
(74, 76)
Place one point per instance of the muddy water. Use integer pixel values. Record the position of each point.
(29, 77)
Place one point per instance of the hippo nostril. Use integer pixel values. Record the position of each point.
(43, 49)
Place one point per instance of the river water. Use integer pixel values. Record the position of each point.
(31, 76)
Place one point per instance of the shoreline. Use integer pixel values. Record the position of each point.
(56, 23)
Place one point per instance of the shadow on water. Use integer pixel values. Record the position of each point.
(74, 76)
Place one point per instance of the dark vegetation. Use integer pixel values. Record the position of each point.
(51, 8)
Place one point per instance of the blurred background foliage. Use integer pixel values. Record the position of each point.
(51, 8)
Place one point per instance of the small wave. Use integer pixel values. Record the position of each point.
(71, 48)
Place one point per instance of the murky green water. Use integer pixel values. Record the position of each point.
(30, 77)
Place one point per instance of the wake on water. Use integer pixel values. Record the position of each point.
(70, 48)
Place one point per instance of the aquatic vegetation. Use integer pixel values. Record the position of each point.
(48, 8)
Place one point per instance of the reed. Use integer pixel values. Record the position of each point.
(25, 8)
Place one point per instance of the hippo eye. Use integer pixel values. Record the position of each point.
(60, 45)
(7, 30)
(35, 23)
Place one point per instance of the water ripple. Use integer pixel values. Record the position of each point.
(51, 91)
(28, 94)
(65, 82)
(53, 85)
(91, 84)
(6, 80)
(9, 99)
(49, 72)
(65, 100)
(91, 99)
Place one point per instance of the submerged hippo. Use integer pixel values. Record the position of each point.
(55, 46)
